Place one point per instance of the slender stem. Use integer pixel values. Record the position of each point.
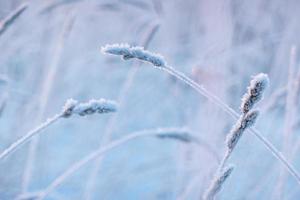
(13, 147)
(93, 156)
(277, 154)
(224, 160)
(202, 91)
(289, 120)
(214, 99)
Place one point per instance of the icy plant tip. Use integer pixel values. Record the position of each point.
(128, 52)
(93, 106)
(255, 92)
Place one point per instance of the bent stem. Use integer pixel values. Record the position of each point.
(96, 154)
(13, 147)
(214, 99)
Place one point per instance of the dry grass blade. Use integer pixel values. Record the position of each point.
(217, 183)
(70, 108)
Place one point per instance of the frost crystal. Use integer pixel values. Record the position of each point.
(217, 183)
(128, 52)
(255, 92)
(100, 106)
(242, 124)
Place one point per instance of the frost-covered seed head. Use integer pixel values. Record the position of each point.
(93, 106)
(246, 121)
(217, 183)
(127, 52)
(255, 92)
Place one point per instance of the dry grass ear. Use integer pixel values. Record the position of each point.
(128, 52)
(259, 84)
(247, 120)
(255, 91)
(240, 127)
(71, 107)
(93, 106)
(217, 183)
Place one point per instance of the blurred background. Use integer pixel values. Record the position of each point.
(51, 52)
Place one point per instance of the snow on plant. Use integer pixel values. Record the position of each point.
(245, 122)
(255, 92)
(71, 107)
(127, 52)
(115, 50)
(170, 133)
(217, 183)
(93, 106)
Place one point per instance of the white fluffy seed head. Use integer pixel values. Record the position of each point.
(217, 183)
(93, 106)
(128, 52)
(246, 121)
(254, 92)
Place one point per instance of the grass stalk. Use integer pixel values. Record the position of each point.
(139, 53)
(71, 107)
(107, 148)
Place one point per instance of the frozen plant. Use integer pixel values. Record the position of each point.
(71, 107)
(245, 122)
(90, 185)
(110, 49)
(171, 133)
(255, 92)
(217, 183)
(128, 52)
(93, 106)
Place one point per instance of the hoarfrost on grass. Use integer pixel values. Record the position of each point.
(171, 133)
(242, 124)
(263, 78)
(71, 107)
(93, 106)
(217, 183)
(254, 92)
(128, 52)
